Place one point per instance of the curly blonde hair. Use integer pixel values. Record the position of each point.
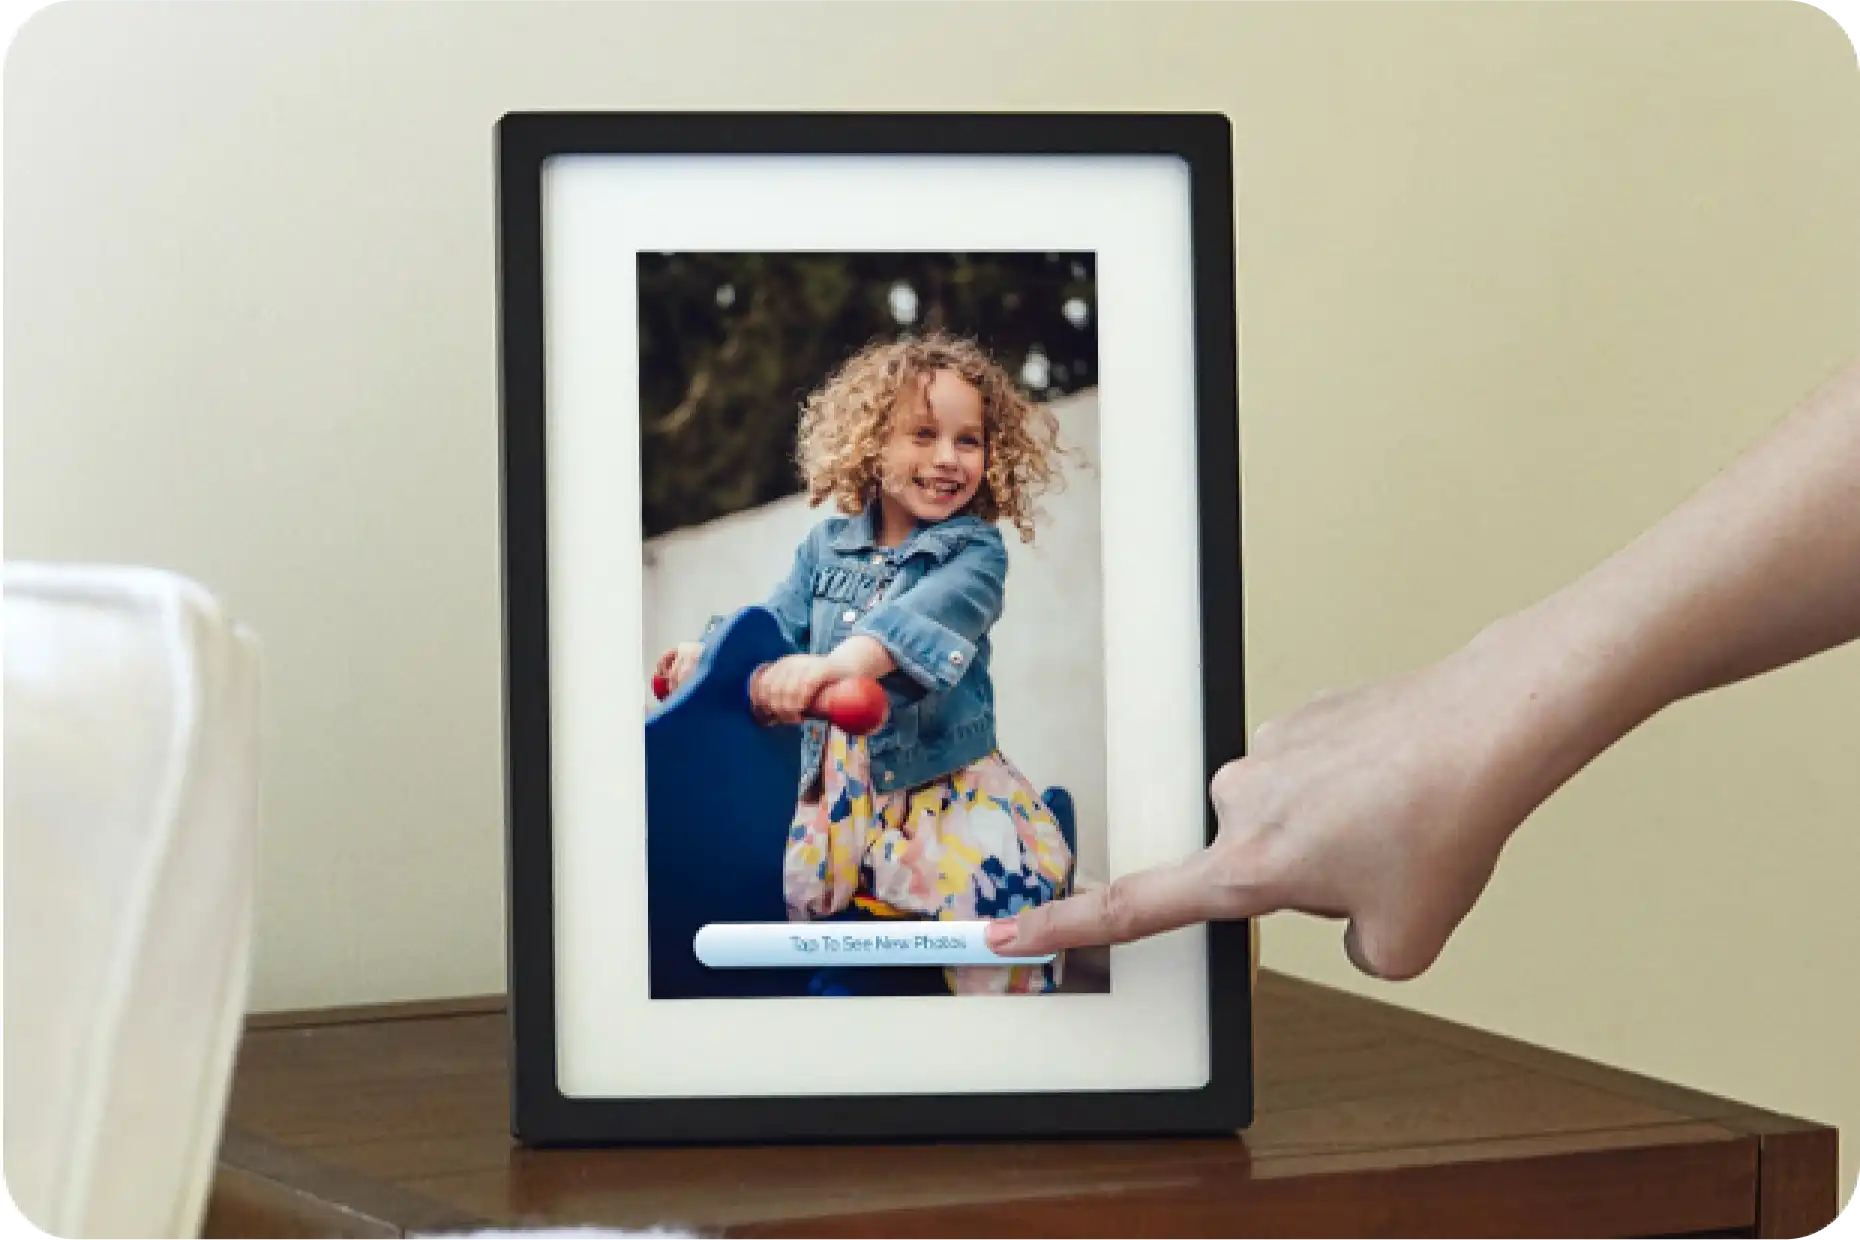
(847, 419)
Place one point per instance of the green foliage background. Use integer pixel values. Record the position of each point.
(730, 345)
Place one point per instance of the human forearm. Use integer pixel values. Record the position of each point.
(1758, 569)
(1390, 803)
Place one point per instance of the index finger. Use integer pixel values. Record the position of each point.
(1135, 906)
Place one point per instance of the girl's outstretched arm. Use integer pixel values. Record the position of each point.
(930, 632)
(786, 692)
(1388, 805)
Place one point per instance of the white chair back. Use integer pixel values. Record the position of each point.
(131, 813)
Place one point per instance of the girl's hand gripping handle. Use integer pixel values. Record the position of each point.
(856, 706)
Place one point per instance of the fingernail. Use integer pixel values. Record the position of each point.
(1001, 934)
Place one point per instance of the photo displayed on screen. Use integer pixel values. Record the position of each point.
(873, 618)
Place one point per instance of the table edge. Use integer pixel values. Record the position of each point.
(341, 1201)
(1624, 1082)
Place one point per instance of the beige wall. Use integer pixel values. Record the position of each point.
(1515, 278)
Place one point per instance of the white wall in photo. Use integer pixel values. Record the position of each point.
(1049, 646)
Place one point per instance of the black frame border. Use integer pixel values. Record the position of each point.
(540, 1114)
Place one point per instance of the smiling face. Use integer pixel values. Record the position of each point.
(935, 455)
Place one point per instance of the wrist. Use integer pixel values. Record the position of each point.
(860, 655)
(1565, 684)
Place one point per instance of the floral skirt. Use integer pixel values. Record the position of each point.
(977, 844)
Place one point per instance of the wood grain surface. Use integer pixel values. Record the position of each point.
(1372, 1121)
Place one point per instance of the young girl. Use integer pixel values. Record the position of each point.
(923, 445)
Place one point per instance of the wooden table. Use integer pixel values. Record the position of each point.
(1372, 1121)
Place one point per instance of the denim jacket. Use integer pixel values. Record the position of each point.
(931, 602)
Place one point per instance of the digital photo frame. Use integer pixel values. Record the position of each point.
(871, 569)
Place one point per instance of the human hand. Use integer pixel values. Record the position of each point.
(1389, 805)
(676, 665)
(785, 689)
(1386, 805)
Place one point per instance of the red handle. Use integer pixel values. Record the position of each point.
(856, 707)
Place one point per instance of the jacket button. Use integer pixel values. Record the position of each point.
(955, 656)
(850, 615)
